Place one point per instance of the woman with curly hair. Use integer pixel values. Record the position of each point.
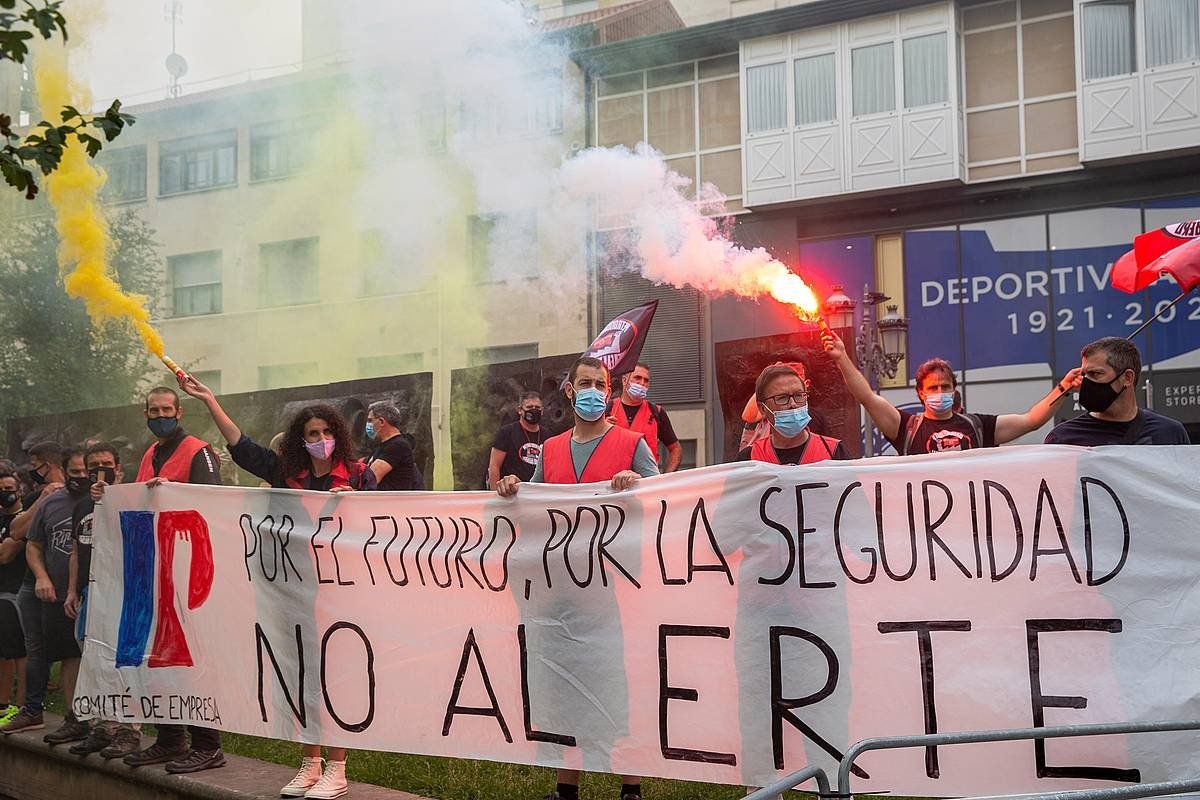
(315, 455)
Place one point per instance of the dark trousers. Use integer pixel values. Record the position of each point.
(202, 738)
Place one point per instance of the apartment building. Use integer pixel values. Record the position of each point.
(982, 163)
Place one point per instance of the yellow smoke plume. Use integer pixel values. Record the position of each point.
(74, 191)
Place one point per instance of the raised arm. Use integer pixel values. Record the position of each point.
(1014, 426)
(228, 428)
(885, 415)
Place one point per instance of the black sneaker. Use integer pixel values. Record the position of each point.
(72, 730)
(155, 754)
(124, 742)
(195, 761)
(23, 721)
(628, 796)
(97, 739)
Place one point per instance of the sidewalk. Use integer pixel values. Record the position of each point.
(33, 770)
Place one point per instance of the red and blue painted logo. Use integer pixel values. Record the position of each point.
(149, 559)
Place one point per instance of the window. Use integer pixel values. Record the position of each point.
(199, 162)
(398, 364)
(195, 283)
(479, 236)
(126, 171)
(28, 94)
(502, 246)
(500, 354)
(278, 376)
(690, 111)
(872, 73)
(377, 275)
(279, 149)
(816, 89)
(766, 97)
(1020, 89)
(210, 378)
(1172, 31)
(288, 273)
(1108, 47)
(925, 78)
(538, 112)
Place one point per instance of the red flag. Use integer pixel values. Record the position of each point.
(1173, 250)
(619, 344)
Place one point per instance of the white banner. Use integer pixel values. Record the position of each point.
(729, 624)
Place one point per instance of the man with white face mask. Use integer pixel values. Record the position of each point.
(782, 392)
(939, 428)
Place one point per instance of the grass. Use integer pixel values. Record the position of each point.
(457, 779)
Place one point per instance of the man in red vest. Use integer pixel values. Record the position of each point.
(782, 394)
(180, 457)
(639, 415)
(593, 450)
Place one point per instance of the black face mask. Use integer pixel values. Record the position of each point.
(533, 416)
(78, 485)
(1096, 396)
(7, 499)
(36, 476)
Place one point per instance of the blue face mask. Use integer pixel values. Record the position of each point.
(162, 427)
(940, 402)
(790, 422)
(637, 391)
(369, 430)
(590, 404)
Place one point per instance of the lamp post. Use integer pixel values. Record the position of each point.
(879, 345)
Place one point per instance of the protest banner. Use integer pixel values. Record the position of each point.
(728, 624)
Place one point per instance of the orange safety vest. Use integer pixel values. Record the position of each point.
(178, 466)
(763, 450)
(644, 422)
(614, 454)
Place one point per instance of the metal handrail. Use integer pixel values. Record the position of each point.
(1132, 792)
(791, 782)
(1013, 734)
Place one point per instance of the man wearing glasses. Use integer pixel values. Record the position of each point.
(782, 394)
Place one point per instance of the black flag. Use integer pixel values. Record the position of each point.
(619, 344)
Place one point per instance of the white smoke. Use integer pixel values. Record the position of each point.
(657, 229)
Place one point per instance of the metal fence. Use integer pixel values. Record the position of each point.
(1008, 735)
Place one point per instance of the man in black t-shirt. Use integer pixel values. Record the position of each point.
(392, 459)
(12, 573)
(1111, 368)
(939, 428)
(518, 445)
(109, 739)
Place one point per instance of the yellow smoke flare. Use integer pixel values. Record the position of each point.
(74, 190)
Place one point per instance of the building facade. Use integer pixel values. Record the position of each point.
(983, 163)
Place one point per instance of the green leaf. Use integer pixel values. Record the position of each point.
(91, 142)
(12, 45)
(69, 113)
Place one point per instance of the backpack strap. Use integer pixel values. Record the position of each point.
(976, 426)
(910, 433)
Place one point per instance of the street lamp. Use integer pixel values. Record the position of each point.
(880, 346)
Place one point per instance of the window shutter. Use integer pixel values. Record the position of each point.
(674, 348)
